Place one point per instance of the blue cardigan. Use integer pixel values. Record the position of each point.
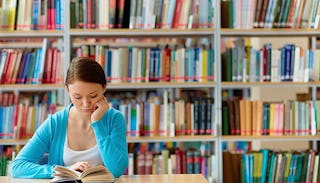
(110, 132)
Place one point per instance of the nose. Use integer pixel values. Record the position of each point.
(86, 102)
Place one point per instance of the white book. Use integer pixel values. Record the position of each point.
(115, 66)
(315, 168)
(312, 118)
(296, 65)
(317, 18)
(275, 65)
(131, 164)
(103, 12)
(43, 59)
(306, 13)
(166, 122)
(138, 119)
(132, 20)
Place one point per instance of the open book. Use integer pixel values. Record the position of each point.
(95, 174)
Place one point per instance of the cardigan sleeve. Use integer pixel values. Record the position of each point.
(112, 142)
(26, 165)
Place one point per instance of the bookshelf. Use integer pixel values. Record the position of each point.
(68, 39)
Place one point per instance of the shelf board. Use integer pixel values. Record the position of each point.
(142, 32)
(32, 33)
(233, 138)
(158, 85)
(31, 87)
(13, 141)
(232, 85)
(185, 138)
(283, 32)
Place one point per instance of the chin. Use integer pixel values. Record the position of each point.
(87, 112)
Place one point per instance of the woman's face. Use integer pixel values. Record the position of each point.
(84, 95)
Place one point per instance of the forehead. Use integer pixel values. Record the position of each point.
(84, 88)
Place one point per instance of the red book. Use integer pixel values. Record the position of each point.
(53, 14)
(177, 12)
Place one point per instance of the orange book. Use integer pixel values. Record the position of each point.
(14, 76)
(248, 117)
(254, 117)
(259, 106)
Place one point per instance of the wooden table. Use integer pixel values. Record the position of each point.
(178, 178)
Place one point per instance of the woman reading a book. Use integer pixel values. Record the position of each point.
(84, 134)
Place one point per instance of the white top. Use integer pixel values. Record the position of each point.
(91, 155)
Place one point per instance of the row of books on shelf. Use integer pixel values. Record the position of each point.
(166, 64)
(141, 14)
(32, 15)
(195, 159)
(271, 166)
(20, 115)
(179, 117)
(31, 66)
(246, 117)
(242, 63)
(270, 14)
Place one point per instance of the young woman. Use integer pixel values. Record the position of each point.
(85, 133)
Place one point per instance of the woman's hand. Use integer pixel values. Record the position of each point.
(81, 166)
(101, 107)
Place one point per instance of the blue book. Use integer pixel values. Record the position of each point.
(58, 14)
(288, 52)
(130, 79)
(311, 65)
(37, 67)
(190, 64)
(283, 64)
(21, 67)
(265, 156)
(272, 168)
(211, 64)
(107, 66)
(1, 119)
(133, 120)
(172, 4)
(35, 15)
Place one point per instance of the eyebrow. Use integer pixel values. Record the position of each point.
(88, 94)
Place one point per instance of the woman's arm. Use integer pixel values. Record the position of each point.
(26, 165)
(113, 145)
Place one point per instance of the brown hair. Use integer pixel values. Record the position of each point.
(86, 70)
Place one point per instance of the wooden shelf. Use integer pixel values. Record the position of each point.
(30, 87)
(280, 32)
(159, 85)
(33, 33)
(185, 138)
(226, 85)
(142, 32)
(13, 142)
(234, 138)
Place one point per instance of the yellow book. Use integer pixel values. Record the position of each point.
(12, 14)
(204, 73)
(271, 121)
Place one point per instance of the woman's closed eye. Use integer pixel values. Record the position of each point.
(93, 96)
